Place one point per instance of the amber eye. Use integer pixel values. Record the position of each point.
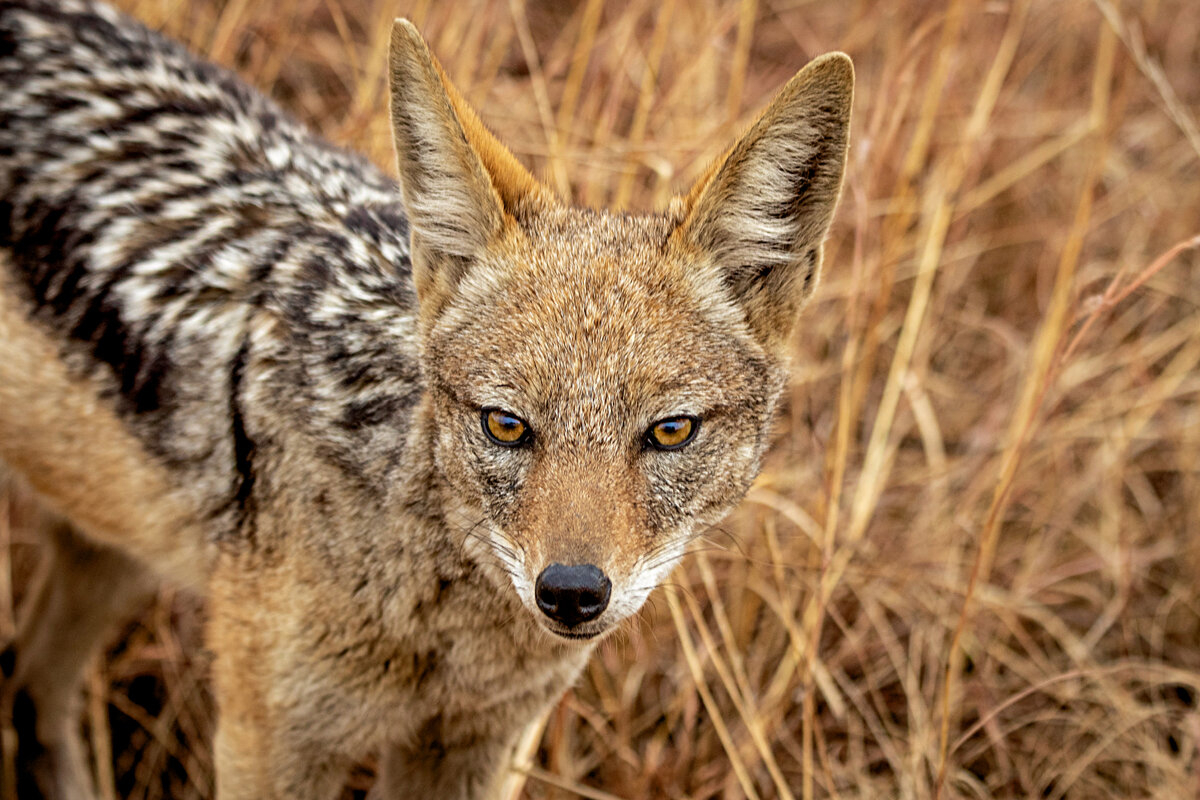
(503, 428)
(673, 433)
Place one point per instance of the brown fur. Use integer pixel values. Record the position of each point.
(378, 592)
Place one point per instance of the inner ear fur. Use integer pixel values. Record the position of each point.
(760, 214)
(460, 185)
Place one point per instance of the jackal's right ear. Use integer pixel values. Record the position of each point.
(460, 185)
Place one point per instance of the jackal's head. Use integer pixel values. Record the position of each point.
(604, 383)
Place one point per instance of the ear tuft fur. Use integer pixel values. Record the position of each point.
(762, 211)
(451, 203)
(460, 185)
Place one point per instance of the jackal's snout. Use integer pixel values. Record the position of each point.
(573, 594)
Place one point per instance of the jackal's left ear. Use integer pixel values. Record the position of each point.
(762, 211)
(461, 186)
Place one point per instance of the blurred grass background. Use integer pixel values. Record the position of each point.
(970, 566)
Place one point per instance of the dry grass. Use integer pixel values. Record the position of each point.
(970, 568)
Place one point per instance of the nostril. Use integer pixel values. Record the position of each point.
(595, 597)
(547, 596)
(572, 594)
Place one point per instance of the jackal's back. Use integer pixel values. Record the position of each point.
(188, 251)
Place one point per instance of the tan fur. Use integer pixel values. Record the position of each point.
(376, 589)
(512, 182)
(488, 186)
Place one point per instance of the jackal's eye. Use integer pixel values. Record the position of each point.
(504, 428)
(673, 433)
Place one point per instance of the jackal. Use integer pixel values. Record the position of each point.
(420, 445)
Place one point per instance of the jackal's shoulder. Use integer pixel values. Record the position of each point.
(192, 247)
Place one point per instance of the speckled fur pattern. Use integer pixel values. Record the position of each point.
(240, 358)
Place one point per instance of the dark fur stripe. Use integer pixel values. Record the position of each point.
(242, 498)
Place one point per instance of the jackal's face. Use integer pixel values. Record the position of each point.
(603, 384)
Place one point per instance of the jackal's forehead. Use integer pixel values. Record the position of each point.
(594, 313)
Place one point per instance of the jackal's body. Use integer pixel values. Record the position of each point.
(225, 356)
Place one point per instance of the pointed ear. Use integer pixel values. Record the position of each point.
(461, 187)
(761, 212)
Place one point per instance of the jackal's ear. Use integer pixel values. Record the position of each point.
(460, 185)
(761, 212)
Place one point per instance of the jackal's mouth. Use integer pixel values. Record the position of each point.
(579, 634)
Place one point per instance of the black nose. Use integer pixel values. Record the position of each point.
(574, 594)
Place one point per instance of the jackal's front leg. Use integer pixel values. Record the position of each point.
(85, 589)
(274, 738)
(450, 769)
